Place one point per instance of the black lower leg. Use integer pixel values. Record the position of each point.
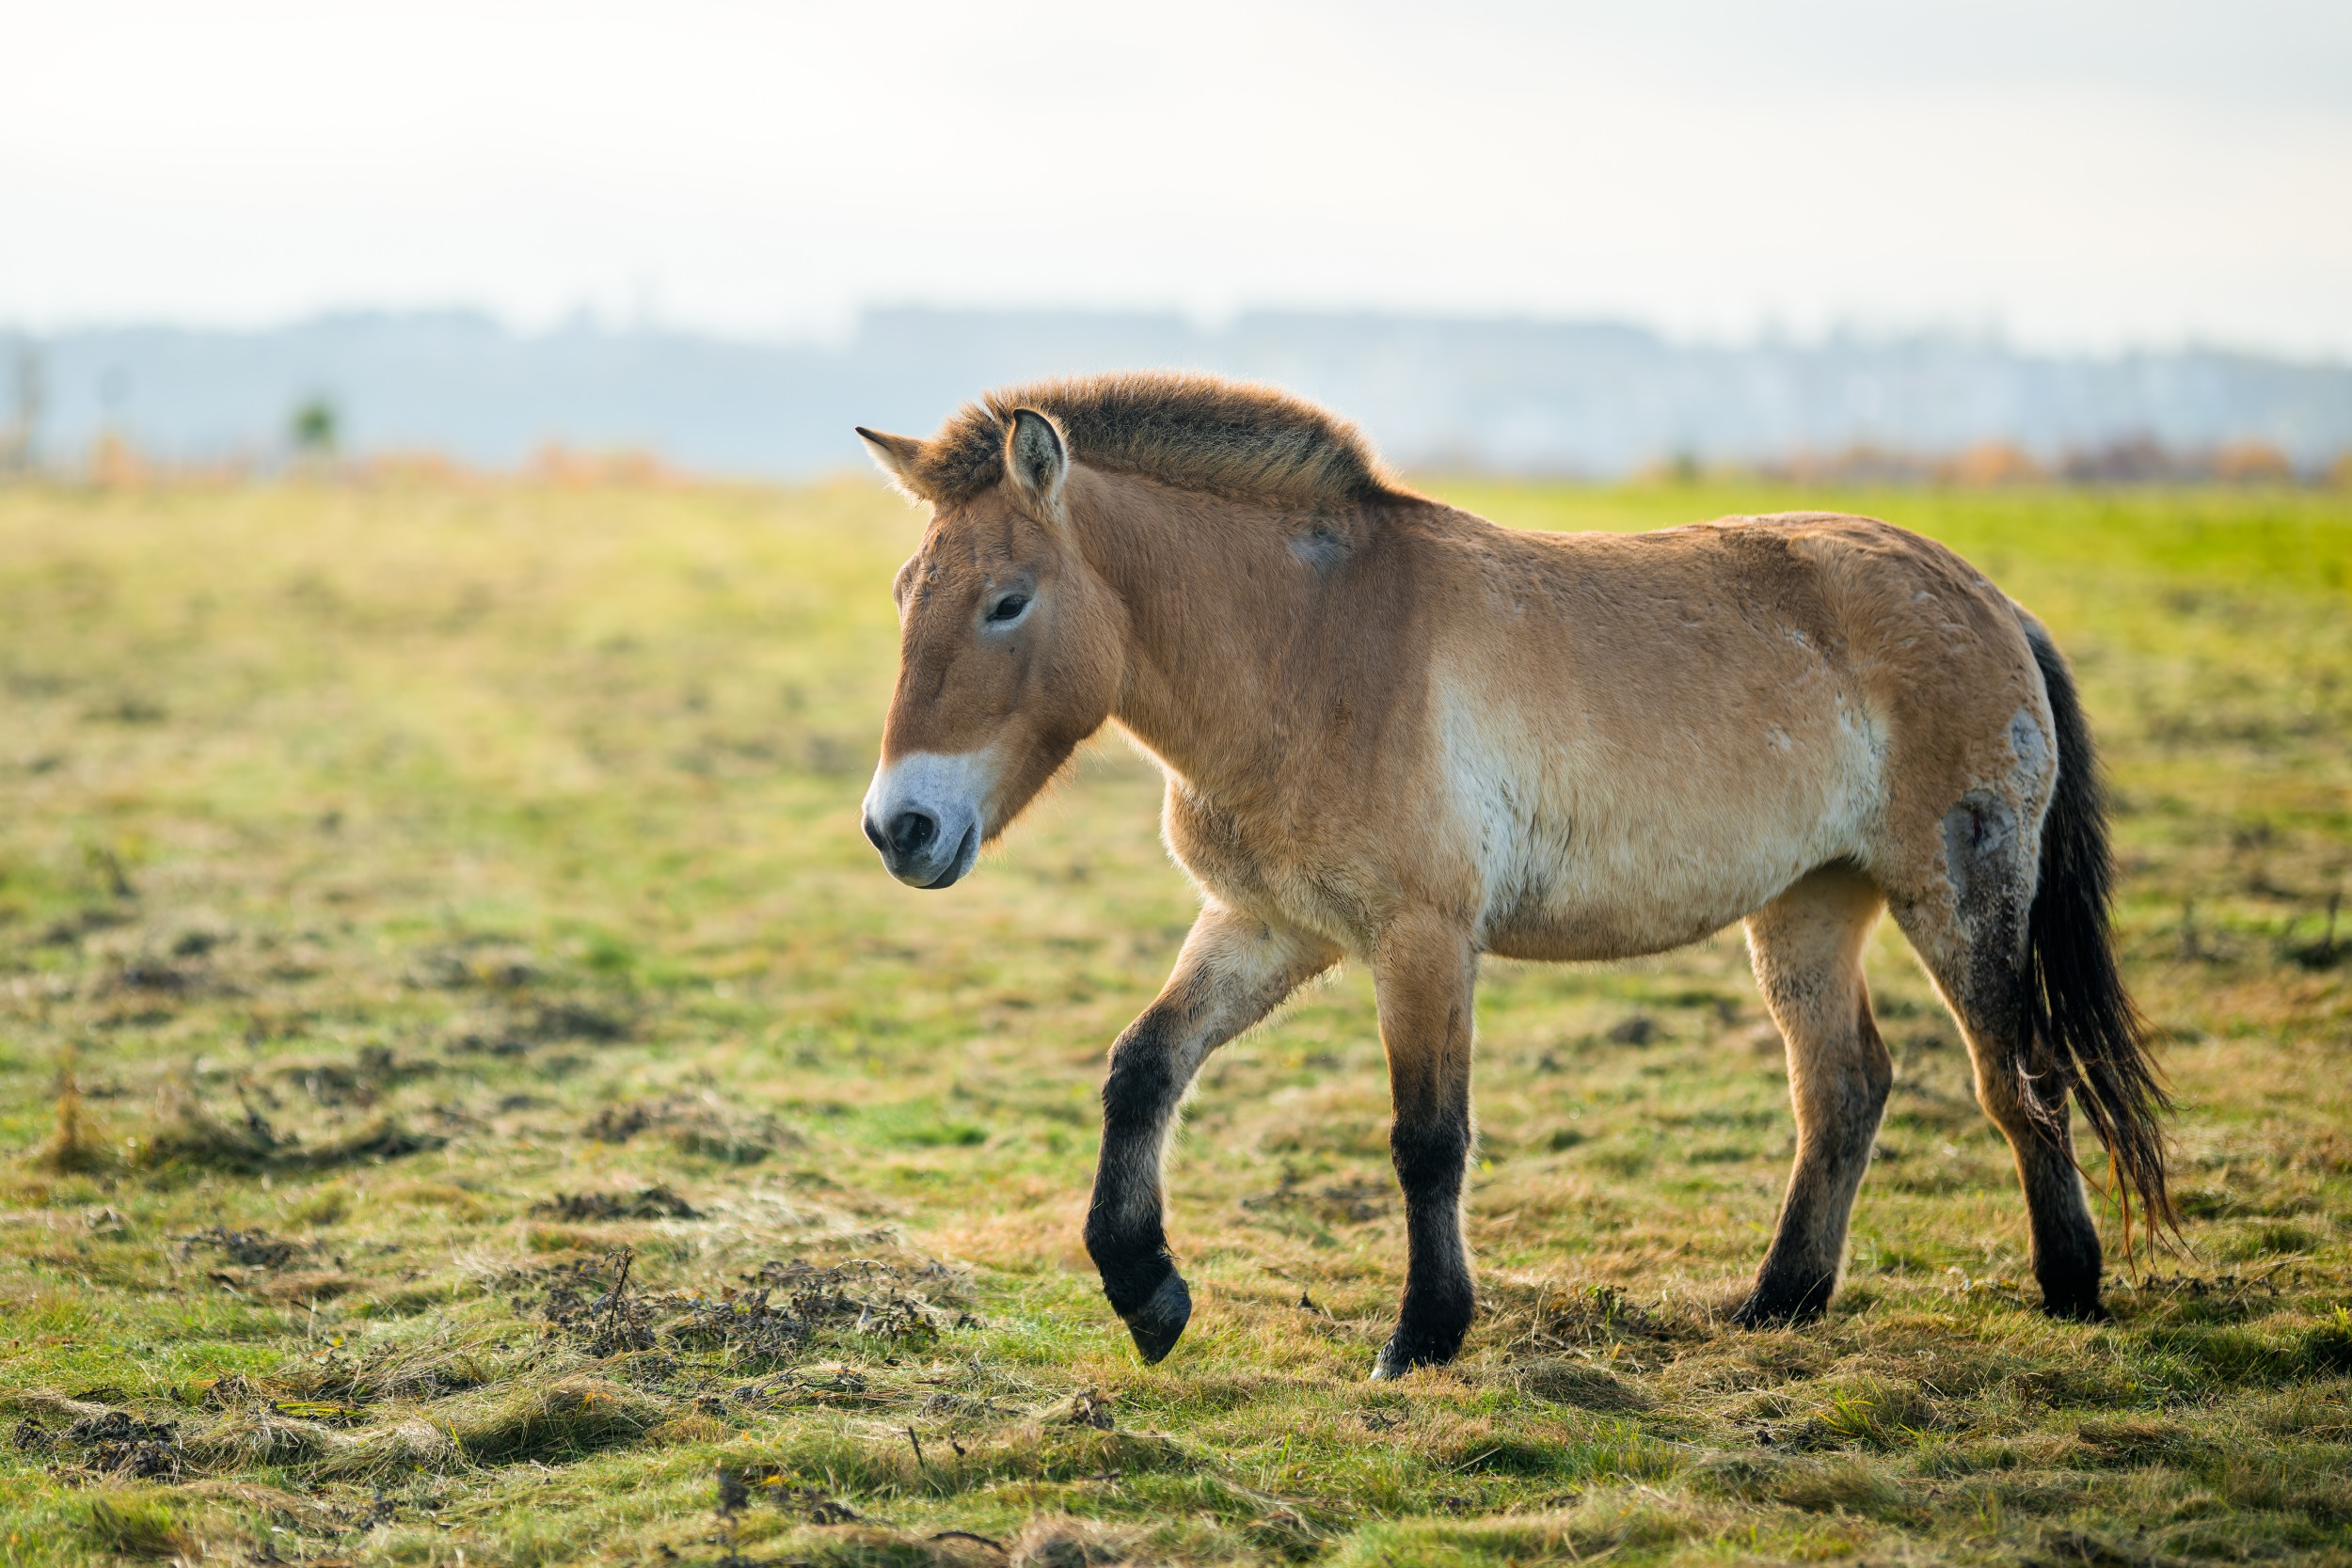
(1124, 1232)
(1793, 1286)
(1440, 1299)
(2066, 1255)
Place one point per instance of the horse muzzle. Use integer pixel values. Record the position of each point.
(924, 813)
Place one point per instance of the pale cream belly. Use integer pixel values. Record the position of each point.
(1586, 854)
(1591, 931)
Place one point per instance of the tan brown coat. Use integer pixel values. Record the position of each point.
(1393, 731)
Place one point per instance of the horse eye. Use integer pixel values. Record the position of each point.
(1009, 607)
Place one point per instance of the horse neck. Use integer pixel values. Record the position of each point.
(1215, 603)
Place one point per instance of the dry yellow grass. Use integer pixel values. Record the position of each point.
(382, 866)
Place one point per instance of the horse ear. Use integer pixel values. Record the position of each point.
(900, 456)
(1036, 458)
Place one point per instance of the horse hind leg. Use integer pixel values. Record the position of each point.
(1806, 949)
(1970, 934)
(2014, 924)
(2065, 1246)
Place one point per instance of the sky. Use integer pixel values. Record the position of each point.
(2069, 174)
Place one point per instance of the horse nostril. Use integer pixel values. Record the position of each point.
(874, 834)
(911, 831)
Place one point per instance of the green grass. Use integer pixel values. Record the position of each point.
(380, 865)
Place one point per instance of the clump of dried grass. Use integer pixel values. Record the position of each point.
(1563, 1380)
(396, 1371)
(402, 1446)
(184, 1131)
(272, 1500)
(259, 1434)
(76, 1147)
(1603, 1523)
(1062, 1541)
(262, 1435)
(575, 1415)
(139, 1524)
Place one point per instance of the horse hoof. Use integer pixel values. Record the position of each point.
(2075, 1308)
(1396, 1359)
(1781, 1308)
(1158, 1323)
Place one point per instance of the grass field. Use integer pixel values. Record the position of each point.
(469, 1096)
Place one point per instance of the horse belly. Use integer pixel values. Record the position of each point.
(1587, 851)
(1578, 916)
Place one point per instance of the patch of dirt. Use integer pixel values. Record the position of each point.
(153, 972)
(742, 1485)
(863, 1295)
(1634, 1029)
(461, 965)
(113, 1442)
(360, 1082)
(251, 1249)
(649, 1203)
(257, 1265)
(774, 1316)
(863, 1287)
(593, 1306)
(381, 1140)
(617, 1124)
(696, 1124)
(186, 1132)
(947, 1405)
(308, 1284)
(515, 1030)
(743, 1321)
(84, 922)
(1340, 1203)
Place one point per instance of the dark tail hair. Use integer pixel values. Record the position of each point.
(2083, 1022)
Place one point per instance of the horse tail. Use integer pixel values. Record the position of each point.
(2082, 1023)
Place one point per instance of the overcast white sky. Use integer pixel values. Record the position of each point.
(2074, 173)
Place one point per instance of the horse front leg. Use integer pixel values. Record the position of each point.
(1425, 976)
(1234, 969)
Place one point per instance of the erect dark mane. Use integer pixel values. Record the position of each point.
(1191, 431)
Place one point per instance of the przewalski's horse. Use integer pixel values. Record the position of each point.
(1396, 731)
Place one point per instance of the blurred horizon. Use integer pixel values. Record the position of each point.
(1496, 395)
